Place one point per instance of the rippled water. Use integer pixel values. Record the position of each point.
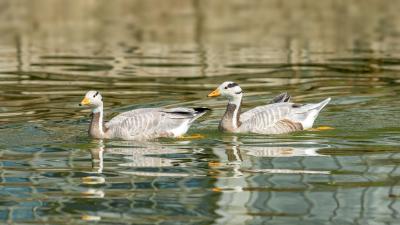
(52, 173)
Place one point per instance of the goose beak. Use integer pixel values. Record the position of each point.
(215, 93)
(85, 101)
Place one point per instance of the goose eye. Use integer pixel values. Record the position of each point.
(226, 87)
(94, 96)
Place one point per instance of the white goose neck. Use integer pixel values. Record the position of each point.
(237, 101)
(98, 109)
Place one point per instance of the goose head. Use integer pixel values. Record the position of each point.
(229, 90)
(92, 99)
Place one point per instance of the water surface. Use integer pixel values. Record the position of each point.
(53, 173)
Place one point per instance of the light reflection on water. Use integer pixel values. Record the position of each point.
(51, 172)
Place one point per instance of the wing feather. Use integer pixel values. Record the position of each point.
(150, 122)
(269, 119)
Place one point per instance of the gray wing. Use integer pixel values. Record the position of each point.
(117, 120)
(151, 121)
(269, 119)
(282, 97)
(281, 117)
(252, 112)
(186, 113)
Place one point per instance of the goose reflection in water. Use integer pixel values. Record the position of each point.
(152, 159)
(154, 166)
(144, 159)
(240, 155)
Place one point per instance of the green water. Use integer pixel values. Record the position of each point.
(51, 172)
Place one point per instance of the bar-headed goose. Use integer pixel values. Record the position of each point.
(139, 124)
(279, 117)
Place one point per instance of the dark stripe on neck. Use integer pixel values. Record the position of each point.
(226, 123)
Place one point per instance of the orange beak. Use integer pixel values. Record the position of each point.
(85, 101)
(215, 93)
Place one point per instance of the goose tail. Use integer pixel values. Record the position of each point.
(199, 112)
(309, 112)
(322, 104)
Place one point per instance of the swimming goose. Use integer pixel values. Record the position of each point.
(277, 118)
(139, 124)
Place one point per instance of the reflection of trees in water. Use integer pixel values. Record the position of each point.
(110, 188)
(276, 23)
(358, 187)
(163, 188)
(278, 184)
